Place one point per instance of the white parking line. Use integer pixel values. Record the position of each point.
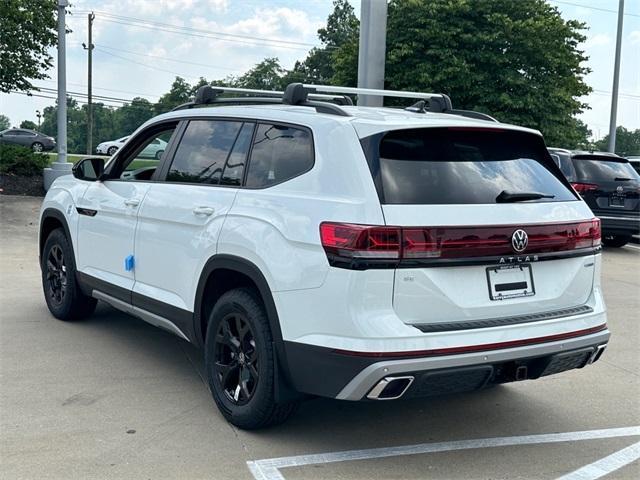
(635, 247)
(269, 469)
(606, 465)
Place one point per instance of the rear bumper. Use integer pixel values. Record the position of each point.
(331, 373)
(619, 225)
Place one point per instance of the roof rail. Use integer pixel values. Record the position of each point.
(212, 95)
(437, 101)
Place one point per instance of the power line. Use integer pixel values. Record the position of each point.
(589, 7)
(207, 32)
(169, 59)
(146, 64)
(106, 89)
(188, 32)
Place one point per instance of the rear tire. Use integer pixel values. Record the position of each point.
(240, 362)
(615, 241)
(61, 290)
(158, 154)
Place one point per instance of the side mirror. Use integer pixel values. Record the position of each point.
(90, 169)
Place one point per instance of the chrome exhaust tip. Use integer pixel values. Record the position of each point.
(597, 353)
(390, 388)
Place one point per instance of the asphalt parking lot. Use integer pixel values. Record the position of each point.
(113, 397)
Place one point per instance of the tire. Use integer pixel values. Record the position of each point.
(37, 147)
(615, 241)
(61, 290)
(112, 150)
(159, 154)
(239, 351)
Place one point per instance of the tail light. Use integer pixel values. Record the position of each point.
(584, 187)
(363, 245)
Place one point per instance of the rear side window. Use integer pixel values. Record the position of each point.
(604, 169)
(563, 160)
(203, 151)
(432, 166)
(279, 154)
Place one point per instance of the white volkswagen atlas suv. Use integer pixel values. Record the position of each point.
(315, 248)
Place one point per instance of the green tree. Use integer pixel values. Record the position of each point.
(129, 117)
(180, 92)
(4, 122)
(340, 32)
(29, 125)
(28, 31)
(627, 142)
(517, 60)
(266, 75)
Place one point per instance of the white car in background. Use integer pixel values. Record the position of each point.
(154, 150)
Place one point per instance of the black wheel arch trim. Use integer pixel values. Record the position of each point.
(284, 391)
(59, 216)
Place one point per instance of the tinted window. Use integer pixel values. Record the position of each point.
(563, 160)
(602, 169)
(203, 151)
(463, 166)
(279, 153)
(234, 169)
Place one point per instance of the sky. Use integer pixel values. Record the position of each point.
(217, 38)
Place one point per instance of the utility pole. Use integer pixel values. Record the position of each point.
(373, 44)
(60, 167)
(90, 17)
(616, 79)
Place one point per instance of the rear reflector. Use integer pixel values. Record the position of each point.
(584, 187)
(344, 242)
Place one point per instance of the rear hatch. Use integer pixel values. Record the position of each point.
(609, 185)
(490, 231)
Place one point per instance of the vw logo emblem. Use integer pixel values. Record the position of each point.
(619, 189)
(519, 240)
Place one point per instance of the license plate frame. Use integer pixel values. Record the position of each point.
(510, 281)
(617, 200)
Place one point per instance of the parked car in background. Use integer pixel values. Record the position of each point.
(634, 160)
(28, 138)
(610, 186)
(154, 150)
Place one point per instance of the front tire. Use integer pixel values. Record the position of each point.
(158, 154)
(112, 150)
(37, 147)
(240, 362)
(61, 290)
(615, 241)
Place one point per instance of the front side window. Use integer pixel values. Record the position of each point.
(203, 151)
(142, 162)
(279, 154)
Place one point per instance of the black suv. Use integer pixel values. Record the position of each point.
(611, 188)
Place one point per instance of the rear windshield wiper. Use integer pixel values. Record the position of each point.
(622, 179)
(509, 197)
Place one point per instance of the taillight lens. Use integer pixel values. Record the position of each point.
(348, 242)
(584, 187)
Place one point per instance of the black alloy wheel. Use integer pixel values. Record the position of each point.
(236, 358)
(56, 275)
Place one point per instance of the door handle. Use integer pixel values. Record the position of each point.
(132, 202)
(203, 211)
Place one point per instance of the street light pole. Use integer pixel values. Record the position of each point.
(616, 79)
(60, 167)
(89, 48)
(371, 55)
(39, 115)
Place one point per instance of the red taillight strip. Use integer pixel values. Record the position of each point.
(475, 348)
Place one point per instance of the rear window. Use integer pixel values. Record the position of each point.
(461, 166)
(603, 169)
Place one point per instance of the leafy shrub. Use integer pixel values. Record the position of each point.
(18, 160)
